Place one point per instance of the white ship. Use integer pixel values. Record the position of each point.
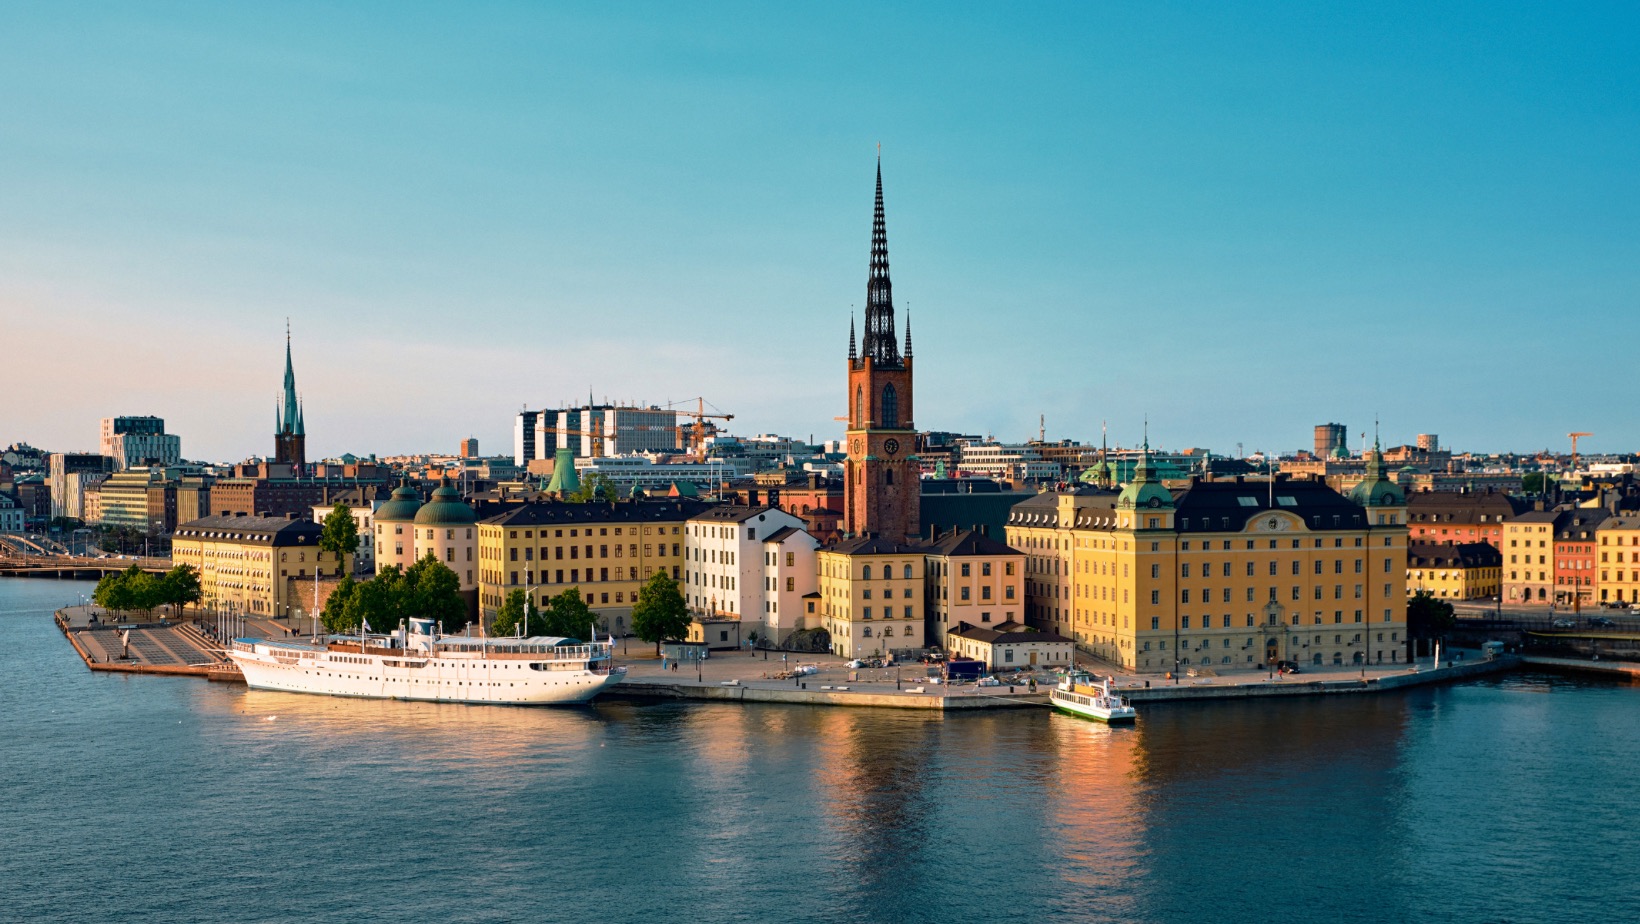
(1079, 694)
(420, 664)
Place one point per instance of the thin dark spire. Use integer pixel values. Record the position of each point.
(907, 330)
(290, 413)
(879, 340)
(851, 352)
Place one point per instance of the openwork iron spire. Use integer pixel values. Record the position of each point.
(879, 341)
(852, 353)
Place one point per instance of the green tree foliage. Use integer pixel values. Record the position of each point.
(513, 610)
(595, 486)
(427, 589)
(131, 590)
(660, 614)
(341, 535)
(1534, 482)
(568, 616)
(1428, 616)
(181, 587)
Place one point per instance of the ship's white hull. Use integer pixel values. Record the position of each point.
(1091, 707)
(439, 680)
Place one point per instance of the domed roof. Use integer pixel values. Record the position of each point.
(1376, 490)
(401, 508)
(1145, 490)
(445, 508)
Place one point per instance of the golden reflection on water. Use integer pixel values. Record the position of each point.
(1094, 805)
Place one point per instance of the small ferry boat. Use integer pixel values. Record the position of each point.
(418, 663)
(1080, 694)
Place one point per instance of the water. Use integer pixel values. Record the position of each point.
(172, 799)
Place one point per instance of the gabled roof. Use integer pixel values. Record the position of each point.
(875, 545)
(999, 637)
(1464, 555)
(967, 542)
(733, 513)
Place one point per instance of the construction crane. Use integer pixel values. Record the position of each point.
(1574, 438)
(697, 431)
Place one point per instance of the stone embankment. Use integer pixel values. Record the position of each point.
(176, 649)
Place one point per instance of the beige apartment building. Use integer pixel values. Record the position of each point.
(607, 550)
(1227, 574)
(254, 565)
(871, 595)
(975, 579)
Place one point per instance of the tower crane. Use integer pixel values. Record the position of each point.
(697, 431)
(1574, 438)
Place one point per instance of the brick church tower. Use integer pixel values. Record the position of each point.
(289, 434)
(882, 478)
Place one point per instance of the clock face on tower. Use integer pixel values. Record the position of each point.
(857, 447)
(891, 446)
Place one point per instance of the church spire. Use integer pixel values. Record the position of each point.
(288, 418)
(908, 330)
(879, 340)
(851, 352)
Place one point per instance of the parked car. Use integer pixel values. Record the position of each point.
(1602, 622)
(1565, 624)
(1290, 667)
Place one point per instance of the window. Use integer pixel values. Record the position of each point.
(891, 407)
(965, 567)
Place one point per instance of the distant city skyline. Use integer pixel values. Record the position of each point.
(1238, 221)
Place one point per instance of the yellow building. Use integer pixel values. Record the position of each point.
(1468, 571)
(607, 550)
(1619, 560)
(1529, 557)
(1227, 574)
(253, 565)
(871, 595)
(974, 579)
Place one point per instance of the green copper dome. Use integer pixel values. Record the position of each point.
(401, 508)
(445, 508)
(1145, 490)
(1376, 490)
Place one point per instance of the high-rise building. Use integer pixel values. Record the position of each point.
(290, 435)
(71, 473)
(139, 441)
(469, 448)
(1429, 442)
(1330, 437)
(881, 476)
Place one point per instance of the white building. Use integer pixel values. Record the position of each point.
(1008, 462)
(645, 472)
(364, 517)
(749, 563)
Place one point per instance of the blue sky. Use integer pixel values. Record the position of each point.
(1239, 220)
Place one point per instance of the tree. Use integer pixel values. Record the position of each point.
(431, 590)
(595, 486)
(336, 615)
(568, 616)
(180, 586)
(1534, 482)
(518, 606)
(1428, 617)
(341, 535)
(660, 614)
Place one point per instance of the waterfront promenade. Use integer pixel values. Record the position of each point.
(739, 676)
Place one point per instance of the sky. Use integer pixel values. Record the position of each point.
(1234, 220)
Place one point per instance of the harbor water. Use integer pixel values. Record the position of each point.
(141, 798)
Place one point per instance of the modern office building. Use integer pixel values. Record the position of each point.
(134, 442)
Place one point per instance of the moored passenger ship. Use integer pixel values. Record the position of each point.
(418, 663)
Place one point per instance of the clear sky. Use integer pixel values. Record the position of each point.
(1239, 220)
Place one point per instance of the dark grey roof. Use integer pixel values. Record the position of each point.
(997, 637)
(968, 542)
(1463, 555)
(781, 534)
(277, 531)
(875, 545)
(733, 513)
(555, 513)
(1465, 508)
(1219, 506)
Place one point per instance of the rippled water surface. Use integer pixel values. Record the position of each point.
(172, 799)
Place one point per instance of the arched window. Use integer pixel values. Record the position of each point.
(888, 476)
(891, 407)
(859, 407)
(867, 575)
(908, 572)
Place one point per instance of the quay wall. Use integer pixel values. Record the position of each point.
(1610, 668)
